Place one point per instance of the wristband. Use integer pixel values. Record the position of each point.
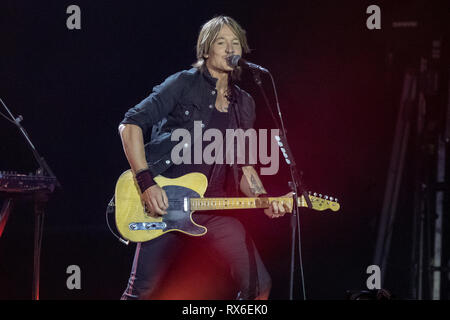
(144, 180)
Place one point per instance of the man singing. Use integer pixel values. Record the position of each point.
(205, 93)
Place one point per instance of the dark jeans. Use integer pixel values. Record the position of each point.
(227, 240)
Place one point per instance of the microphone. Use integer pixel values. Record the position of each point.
(237, 60)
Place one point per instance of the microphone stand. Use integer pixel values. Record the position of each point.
(41, 199)
(295, 185)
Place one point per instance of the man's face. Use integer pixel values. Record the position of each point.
(226, 44)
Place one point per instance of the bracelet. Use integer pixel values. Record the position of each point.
(144, 180)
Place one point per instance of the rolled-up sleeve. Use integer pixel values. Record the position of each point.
(158, 104)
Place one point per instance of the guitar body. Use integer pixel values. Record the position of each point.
(136, 225)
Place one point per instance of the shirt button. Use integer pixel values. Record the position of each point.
(186, 112)
(167, 161)
(210, 106)
(203, 125)
(186, 145)
(213, 92)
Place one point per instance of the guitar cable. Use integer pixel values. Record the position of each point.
(111, 208)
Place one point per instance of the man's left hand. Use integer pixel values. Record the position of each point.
(278, 209)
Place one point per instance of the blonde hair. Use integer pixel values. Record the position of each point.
(208, 35)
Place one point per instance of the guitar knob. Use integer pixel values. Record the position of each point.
(326, 197)
(331, 198)
(315, 194)
(336, 199)
(320, 195)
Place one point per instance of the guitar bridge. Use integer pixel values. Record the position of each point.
(147, 226)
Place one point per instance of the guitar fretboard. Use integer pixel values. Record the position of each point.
(238, 203)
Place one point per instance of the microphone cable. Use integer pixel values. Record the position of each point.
(258, 81)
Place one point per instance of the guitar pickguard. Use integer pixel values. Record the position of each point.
(177, 217)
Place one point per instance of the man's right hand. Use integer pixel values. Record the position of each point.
(154, 198)
(155, 201)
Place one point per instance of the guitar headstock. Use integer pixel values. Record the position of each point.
(320, 202)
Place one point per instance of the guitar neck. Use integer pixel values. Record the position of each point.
(198, 204)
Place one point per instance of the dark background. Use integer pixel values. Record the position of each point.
(339, 97)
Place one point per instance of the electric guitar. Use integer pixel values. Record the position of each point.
(185, 195)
